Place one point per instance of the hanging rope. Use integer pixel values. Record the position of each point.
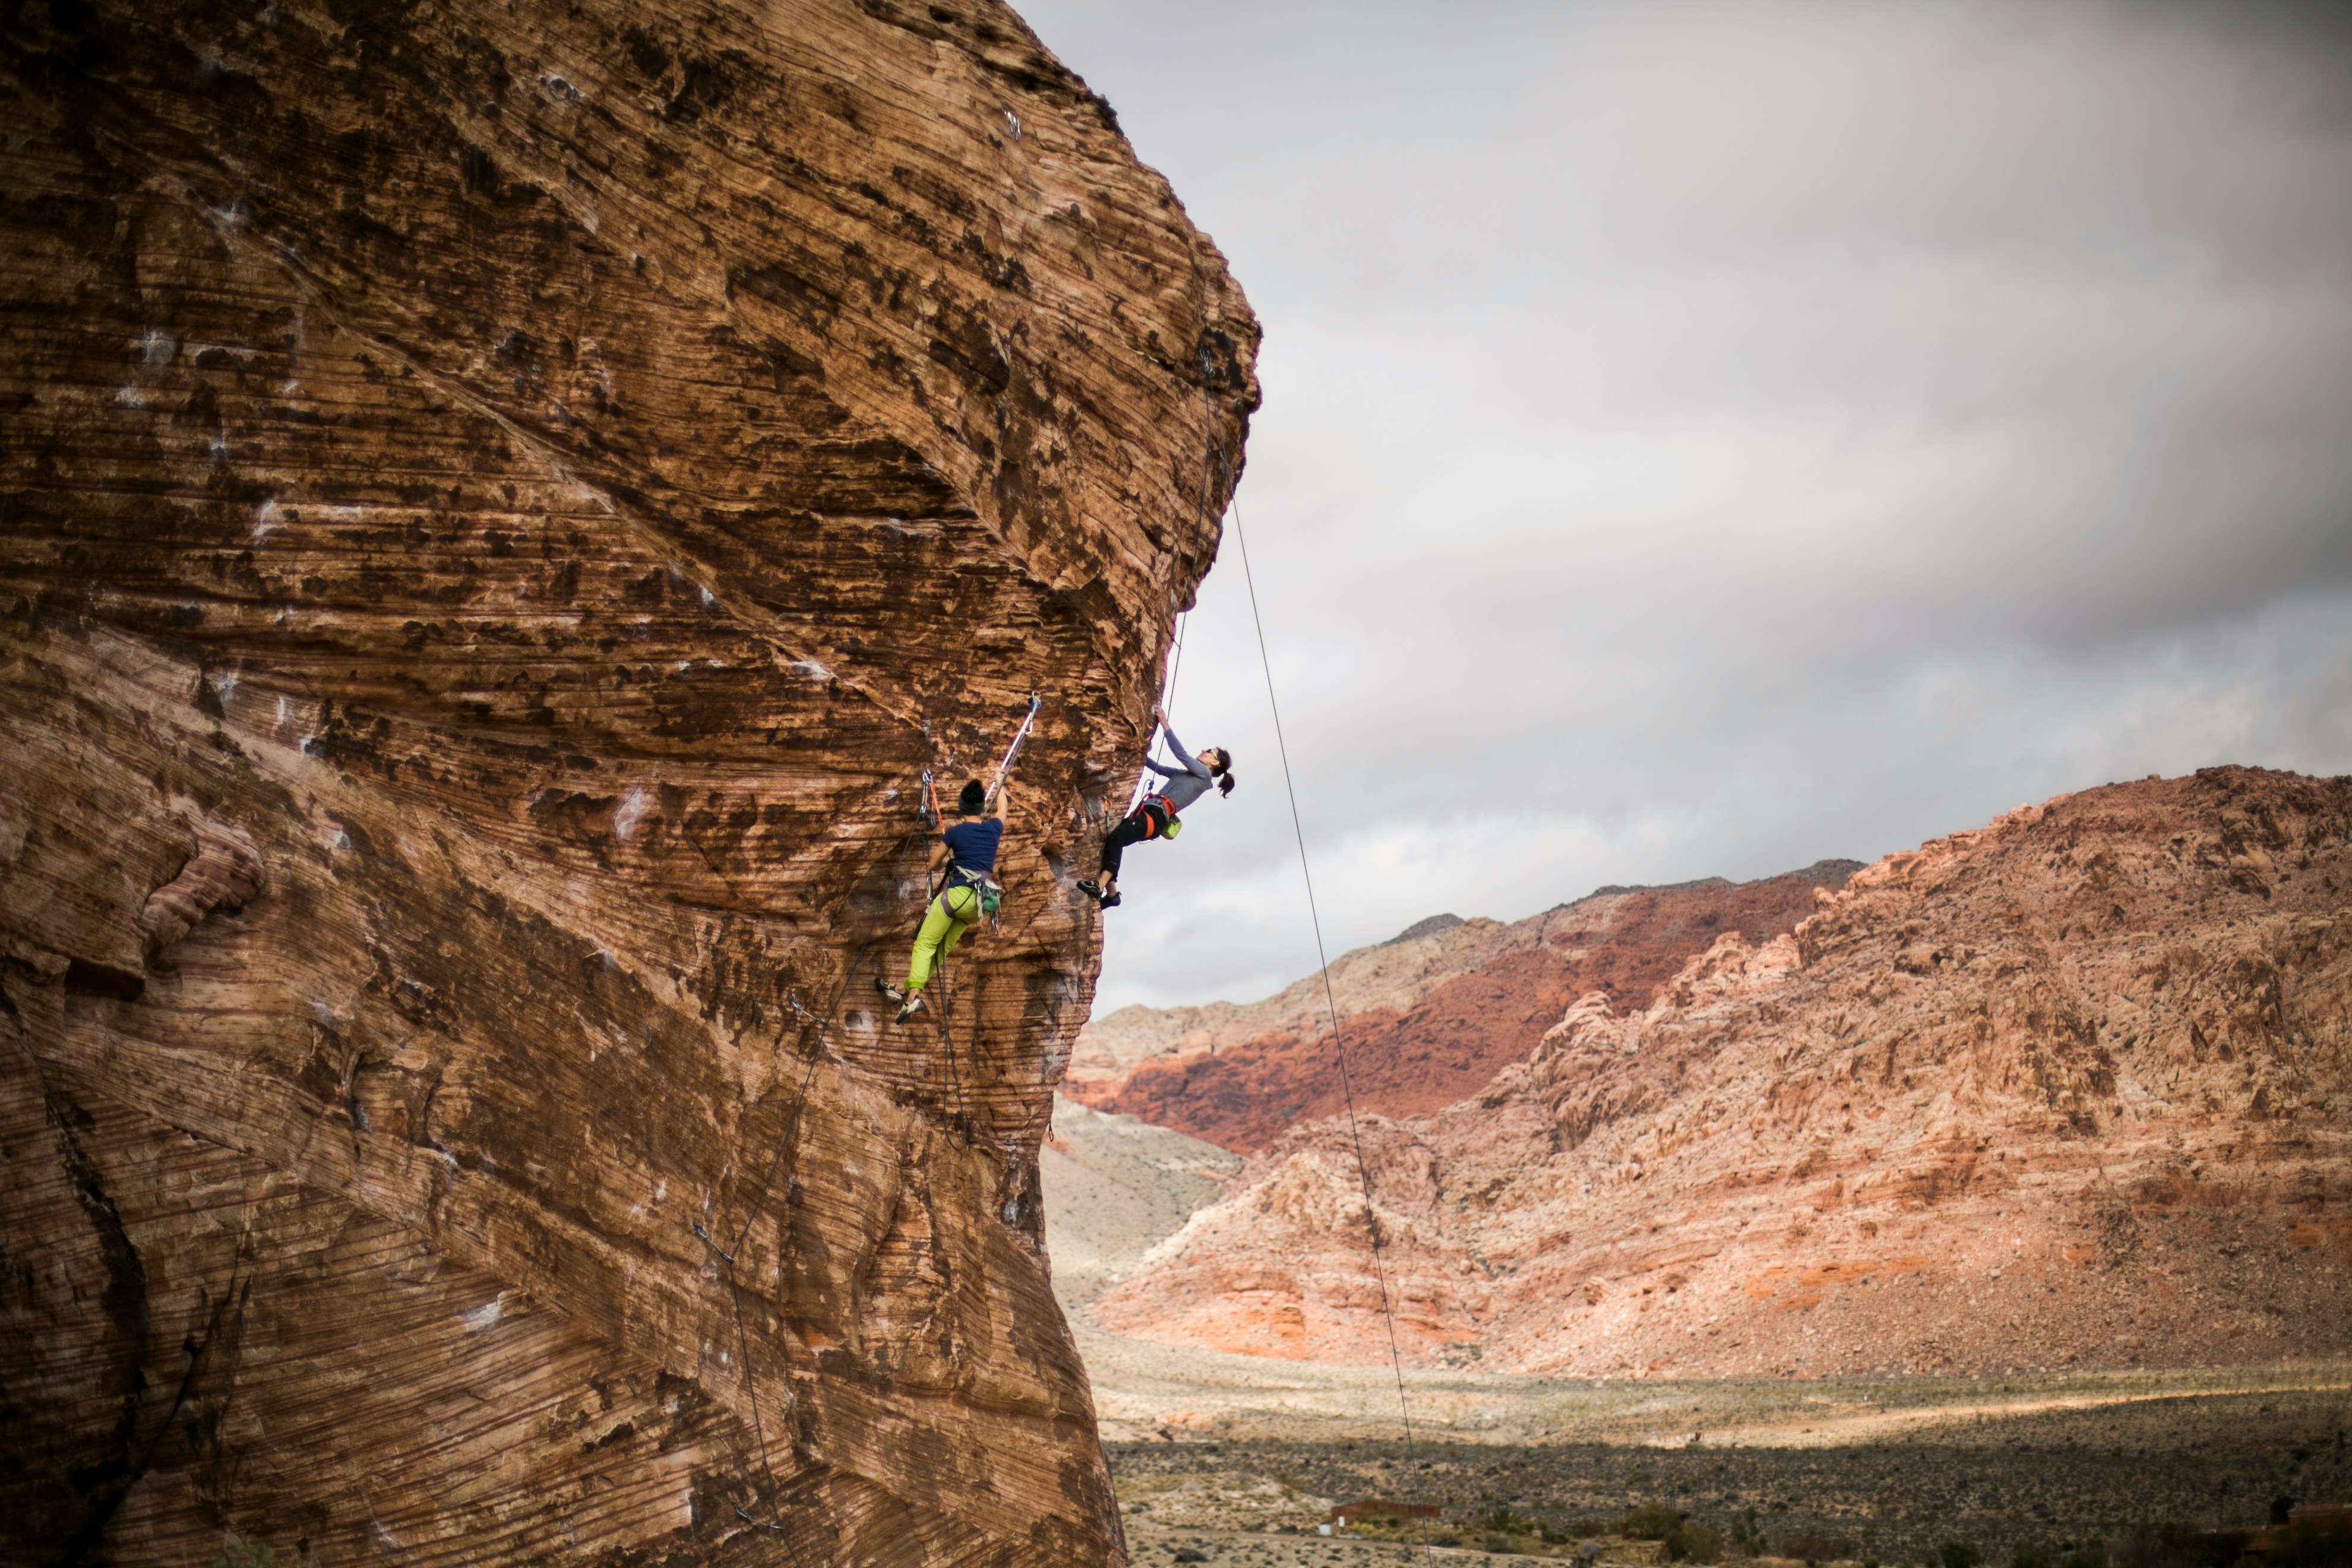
(1331, 1003)
(932, 820)
(946, 1036)
(947, 981)
(1189, 556)
(727, 1255)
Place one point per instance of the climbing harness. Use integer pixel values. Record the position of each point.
(992, 894)
(1159, 816)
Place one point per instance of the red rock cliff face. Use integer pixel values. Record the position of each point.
(501, 505)
(2068, 1090)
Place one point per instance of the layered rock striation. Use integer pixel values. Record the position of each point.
(2069, 1091)
(1428, 1016)
(498, 508)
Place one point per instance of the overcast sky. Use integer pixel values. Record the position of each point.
(1703, 439)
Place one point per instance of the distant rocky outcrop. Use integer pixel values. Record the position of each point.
(2071, 1089)
(498, 506)
(1113, 1188)
(1428, 1016)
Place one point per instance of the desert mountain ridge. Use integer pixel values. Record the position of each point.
(2071, 1089)
(1430, 1015)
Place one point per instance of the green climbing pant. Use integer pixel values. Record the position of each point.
(952, 913)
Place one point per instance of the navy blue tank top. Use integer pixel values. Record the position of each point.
(971, 846)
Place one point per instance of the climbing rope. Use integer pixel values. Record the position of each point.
(1330, 1002)
(1212, 461)
(1211, 452)
(931, 819)
(784, 1136)
(947, 1040)
(940, 965)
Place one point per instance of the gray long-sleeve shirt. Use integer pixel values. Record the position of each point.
(1186, 784)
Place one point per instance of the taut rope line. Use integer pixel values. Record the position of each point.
(1211, 451)
(783, 1141)
(1330, 1001)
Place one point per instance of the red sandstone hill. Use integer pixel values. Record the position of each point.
(1430, 1015)
(2073, 1089)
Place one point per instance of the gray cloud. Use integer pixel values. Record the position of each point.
(1703, 439)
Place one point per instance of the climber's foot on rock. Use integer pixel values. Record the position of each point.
(910, 1006)
(888, 989)
(1091, 889)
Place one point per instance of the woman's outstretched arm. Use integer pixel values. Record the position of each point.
(1192, 765)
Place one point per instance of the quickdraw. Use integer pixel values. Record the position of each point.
(1014, 750)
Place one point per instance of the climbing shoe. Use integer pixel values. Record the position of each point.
(888, 989)
(1109, 903)
(910, 1007)
(1092, 890)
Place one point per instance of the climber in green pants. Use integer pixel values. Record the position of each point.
(968, 850)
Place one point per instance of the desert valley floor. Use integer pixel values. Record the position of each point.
(1234, 1459)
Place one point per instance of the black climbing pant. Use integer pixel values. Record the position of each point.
(1149, 820)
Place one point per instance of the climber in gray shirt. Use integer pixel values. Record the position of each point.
(1156, 815)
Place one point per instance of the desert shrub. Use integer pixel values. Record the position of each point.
(1496, 1541)
(1651, 1522)
(1960, 1554)
(234, 1552)
(2160, 1546)
(1684, 1542)
(1747, 1536)
(1694, 1543)
(2218, 1548)
(1585, 1528)
(2030, 1554)
(1816, 1548)
(2312, 1544)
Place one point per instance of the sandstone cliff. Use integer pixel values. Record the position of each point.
(2074, 1090)
(1430, 1014)
(499, 504)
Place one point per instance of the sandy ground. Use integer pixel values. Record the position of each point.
(1237, 1459)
